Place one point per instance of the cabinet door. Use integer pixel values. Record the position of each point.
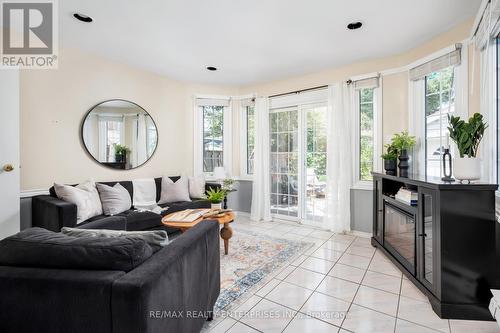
(427, 238)
(378, 214)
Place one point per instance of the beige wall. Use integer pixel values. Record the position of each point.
(54, 102)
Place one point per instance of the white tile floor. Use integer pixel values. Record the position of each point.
(341, 284)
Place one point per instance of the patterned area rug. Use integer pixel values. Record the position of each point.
(251, 260)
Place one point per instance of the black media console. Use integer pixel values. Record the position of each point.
(447, 244)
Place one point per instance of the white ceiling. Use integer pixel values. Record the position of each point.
(253, 41)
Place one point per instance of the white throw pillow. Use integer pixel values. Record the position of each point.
(115, 200)
(173, 192)
(84, 196)
(197, 187)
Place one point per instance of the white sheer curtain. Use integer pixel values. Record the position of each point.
(339, 165)
(103, 135)
(141, 139)
(261, 189)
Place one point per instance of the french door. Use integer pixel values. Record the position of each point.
(298, 162)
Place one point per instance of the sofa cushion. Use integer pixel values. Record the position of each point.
(84, 196)
(38, 247)
(115, 199)
(174, 191)
(141, 220)
(157, 239)
(105, 222)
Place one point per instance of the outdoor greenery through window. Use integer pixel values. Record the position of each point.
(439, 103)
(213, 143)
(366, 133)
(250, 117)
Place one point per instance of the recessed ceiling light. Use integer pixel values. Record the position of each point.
(211, 68)
(82, 17)
(354, 25)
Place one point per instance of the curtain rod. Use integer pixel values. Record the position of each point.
(298, 91)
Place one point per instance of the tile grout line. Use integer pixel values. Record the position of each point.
(357, 290)
(325, 275)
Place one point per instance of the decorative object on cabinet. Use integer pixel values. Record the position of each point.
(447, 171)
(403, 142)
(390, 158)
(467, 136)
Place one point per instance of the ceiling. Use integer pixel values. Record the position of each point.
(253, 41)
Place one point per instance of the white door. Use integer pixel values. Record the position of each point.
(9, 152)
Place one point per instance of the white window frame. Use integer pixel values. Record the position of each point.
(198, 137)
(359, 184)
(244, 175)
(416, 103)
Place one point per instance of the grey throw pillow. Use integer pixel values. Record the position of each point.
(115, 200)
(197, 187)
(157, 239)
(174, 192)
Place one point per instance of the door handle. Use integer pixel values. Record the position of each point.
(8, 167)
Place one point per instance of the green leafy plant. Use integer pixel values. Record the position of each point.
(403, 141)
(391, 153)
(215, 195)
(121, 149)
(227, 184)
(467, 135)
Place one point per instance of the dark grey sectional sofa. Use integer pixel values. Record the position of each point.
(172, 290)
(51, 213)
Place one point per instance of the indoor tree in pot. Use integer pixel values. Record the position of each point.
(403, 142)
(216, 196)
(390, 158)
(467, 136)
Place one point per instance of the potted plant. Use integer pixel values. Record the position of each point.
(121, 152)
(390, 158)
(228, 184)
(403, 142)
(467, 136)
(216, 196)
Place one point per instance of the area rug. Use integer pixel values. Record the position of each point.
(253, 258)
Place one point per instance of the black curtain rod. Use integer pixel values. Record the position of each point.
(299, 91)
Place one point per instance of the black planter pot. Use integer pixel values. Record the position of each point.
(119, 158)
(390, 167)
(403, 163)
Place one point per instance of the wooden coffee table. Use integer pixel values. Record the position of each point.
(225, 233)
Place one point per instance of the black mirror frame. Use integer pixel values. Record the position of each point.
(92, 156)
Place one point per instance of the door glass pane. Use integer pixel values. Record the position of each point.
(315, 160)
(284, 162)
(427, 236)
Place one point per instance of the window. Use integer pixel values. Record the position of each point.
(213, 137)
(250, 138)
(439, 104)
(366, 133)
(151, 136)
(111, 129)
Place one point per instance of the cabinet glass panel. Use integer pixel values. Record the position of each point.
(399, 233)
(428, 257)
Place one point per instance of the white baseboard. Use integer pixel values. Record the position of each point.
(32, 193)
(242, 214)
(361, 234)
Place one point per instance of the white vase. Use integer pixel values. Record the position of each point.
(467, 168)
(217, 205)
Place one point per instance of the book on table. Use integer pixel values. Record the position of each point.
(188, 215)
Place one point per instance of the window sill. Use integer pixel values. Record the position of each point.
(365, 186)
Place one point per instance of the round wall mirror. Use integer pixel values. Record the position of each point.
(119, 134)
